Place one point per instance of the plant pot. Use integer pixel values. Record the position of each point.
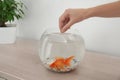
(8, 34)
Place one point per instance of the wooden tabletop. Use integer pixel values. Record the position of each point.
(22, 60)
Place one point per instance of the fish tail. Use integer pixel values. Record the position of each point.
(68, 60)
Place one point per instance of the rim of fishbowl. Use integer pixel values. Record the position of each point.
(57, 30)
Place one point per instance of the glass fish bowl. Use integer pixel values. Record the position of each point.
(61, 52)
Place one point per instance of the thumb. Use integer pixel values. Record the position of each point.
(67, 26)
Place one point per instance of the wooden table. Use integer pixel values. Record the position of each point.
(22, 60)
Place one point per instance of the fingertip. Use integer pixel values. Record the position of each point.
(62, 31)
(60, 23)
(67, 26)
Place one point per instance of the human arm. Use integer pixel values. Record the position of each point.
(72, 16)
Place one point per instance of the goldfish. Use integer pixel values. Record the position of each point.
(61, 63)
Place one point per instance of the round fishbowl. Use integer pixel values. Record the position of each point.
(61, 52)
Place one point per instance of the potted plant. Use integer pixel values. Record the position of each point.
(10, 10)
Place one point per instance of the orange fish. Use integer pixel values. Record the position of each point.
(60, 63)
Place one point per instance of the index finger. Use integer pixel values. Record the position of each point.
(62, 20)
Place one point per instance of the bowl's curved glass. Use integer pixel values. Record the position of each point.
(61, 52)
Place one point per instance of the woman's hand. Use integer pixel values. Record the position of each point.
(72, 16)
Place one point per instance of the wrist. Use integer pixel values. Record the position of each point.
(90, 12)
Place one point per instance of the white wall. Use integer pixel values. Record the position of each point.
(100, 34)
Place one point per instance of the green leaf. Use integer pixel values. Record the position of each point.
(11, 9)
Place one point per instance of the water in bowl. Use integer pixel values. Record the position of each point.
(62, 46)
